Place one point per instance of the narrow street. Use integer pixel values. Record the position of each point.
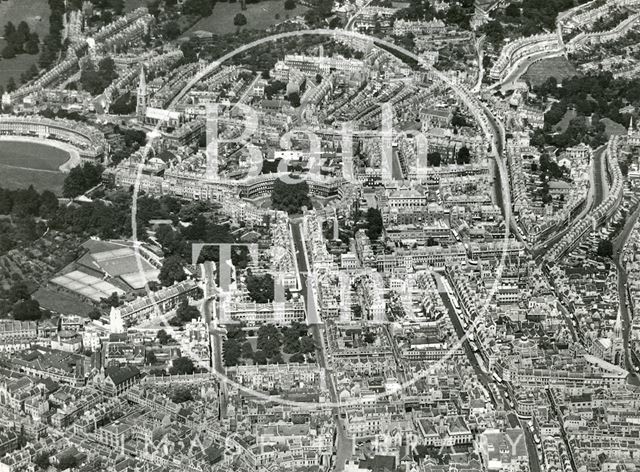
(618, 245)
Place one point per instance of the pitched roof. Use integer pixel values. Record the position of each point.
(121, 374)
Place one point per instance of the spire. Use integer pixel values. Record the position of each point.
(617, 328)
(142, 84)
(630, 132)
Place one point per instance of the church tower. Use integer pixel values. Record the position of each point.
(141, 106)
(618, 354)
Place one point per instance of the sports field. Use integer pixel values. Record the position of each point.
(87, 285)
(124, 263)
(23, 164)
(118, 261)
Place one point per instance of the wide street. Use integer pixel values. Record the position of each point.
(344, 444)
(488, 380)
(215, 334)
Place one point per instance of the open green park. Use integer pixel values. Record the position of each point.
(36, 14)
(259, 16)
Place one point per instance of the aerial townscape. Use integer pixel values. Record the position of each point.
(320, 235)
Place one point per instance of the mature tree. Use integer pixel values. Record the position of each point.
(48, 204)
(291, 344)
(27, 310)
(112, 300)
(11, 85)
(9, 51)
(289, 4)
(32, 46)
(26, 202)
(495, 32)
(231, 352)
(260, 287)
(181, 395)
(512, 10)
(67, 462)
(6, 201)
(150, 357)
(163, 337)
(239, 20)
(260, 357)
(186, 312)
(18, 291)
(434, 159)
(374, 223)
(236, 332)
(294, 99)
(247, 350)
(182, 365)
(9, 30)
(189, 51)
(307, 345)
(605, 248)
(198, 7)
(81, 178)
(297, 358)
(42, 461)
(95, 314)
(269, 339)
(171, 30)
(172, 271)
(464, 156)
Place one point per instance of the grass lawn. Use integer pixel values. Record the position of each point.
(15, 178)
(563, 124)
(36, 14)
(557, 67)
(130, 5)
(14, 67)
(24, 164)
(259, 16)
(61, 302)
(611, 127)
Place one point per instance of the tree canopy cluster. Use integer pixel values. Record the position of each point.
(28, 202)
(95, 80)
(592, 97)
(24, 206)
(260, 287)
(198, 7)
(290, 197)
(374, 223)
(182, 365)
(458, 14)
(605, 248)
(52, 43)
(82, 178)
(529, 17)
(185, 313)
(172, 270)
(19, 40)
(24, 308)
